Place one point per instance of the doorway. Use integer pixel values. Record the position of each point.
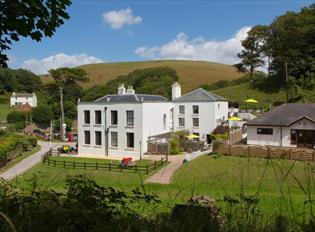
(306, 138)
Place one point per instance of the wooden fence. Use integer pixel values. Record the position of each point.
(258, 151)
(104, 166)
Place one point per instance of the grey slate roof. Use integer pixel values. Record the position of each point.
(285, 115)
(22, 95)
(199, 95)
(130, 98)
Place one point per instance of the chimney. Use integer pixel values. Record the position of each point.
(130, 90)
(176, 91)
(121, 89)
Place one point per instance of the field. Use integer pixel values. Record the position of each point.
(5, 109)
(216, 176)
(192, 74)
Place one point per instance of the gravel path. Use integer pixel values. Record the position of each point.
(164, 175)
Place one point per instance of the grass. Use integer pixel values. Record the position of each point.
(191, 74)
(23, 156)
(215, 176)
(5, 110)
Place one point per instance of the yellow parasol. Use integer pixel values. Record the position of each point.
(251, 101)
(192, 136)
(234, 119)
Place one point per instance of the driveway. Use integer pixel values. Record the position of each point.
(26, 163)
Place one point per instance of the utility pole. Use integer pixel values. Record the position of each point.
(286, 80)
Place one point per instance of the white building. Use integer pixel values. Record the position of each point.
(289, 125)
(119, 125)
(18, 99)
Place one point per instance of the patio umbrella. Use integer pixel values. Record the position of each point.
(234, 119)
(251, 101)
(192, 136)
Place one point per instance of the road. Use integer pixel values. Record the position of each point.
(26, 163)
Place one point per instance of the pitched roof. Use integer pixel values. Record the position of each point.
(23, 94)
(126, 98)
(199, 95)
(285, 115)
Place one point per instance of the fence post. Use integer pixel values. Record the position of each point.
(121, 168)
(84, 165)
(155, 164)
(161, 161)
(48, 162)
(147, 170)
(110, 166)
(54, 163)
(64, 164)
(229, 149)
(73, 164)
(289, 153)
(96, 165)
(135, 168)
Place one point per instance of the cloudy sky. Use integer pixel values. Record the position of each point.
(110, 31)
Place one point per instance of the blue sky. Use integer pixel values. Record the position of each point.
(113, 31)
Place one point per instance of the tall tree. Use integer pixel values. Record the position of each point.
(252, 55)
(62, 78)
(29, 18)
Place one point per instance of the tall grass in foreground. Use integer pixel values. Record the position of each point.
(87, 206)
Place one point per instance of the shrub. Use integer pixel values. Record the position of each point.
(32, 140)
(174, 147)
(221, 129)
(16, 116)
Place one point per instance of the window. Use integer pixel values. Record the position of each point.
(86, 117)
(182, 109)
(114, 117)
(195, 122)
(98, 138)
(114, 139)
(130, 117)
(195, 109)
(87, 137)
(181, 122)
(293, 134)
(98, 117)
(264, 131)
(130, 140)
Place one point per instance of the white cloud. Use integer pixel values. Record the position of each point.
(120, 18)
(59, 60)
(181, 48)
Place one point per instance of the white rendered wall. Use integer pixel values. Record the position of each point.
(209, 112)
(153, 124)
(32, 101)
(274, 140)
(116, 152)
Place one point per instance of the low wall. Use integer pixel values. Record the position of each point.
(266, 152)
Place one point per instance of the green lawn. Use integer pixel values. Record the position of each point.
(19, 158)
(215, 176)
(5, 109)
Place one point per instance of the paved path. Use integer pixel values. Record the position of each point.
(164, 175)
(26, 163)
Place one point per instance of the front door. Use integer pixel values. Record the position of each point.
(305, 138)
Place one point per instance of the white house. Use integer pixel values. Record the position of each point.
(119, 125)
(289, 125)
(18, 99)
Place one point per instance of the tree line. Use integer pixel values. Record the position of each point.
(285, 49)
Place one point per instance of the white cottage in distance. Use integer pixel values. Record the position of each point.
(18, 99)
(119, 125)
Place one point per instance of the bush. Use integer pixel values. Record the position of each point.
(32, 140)
(16, 116)
(221, 129)
(174, 147)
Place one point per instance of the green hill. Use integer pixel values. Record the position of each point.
(191, 74)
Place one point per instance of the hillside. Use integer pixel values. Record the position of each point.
(192, 74)
(239, 93)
